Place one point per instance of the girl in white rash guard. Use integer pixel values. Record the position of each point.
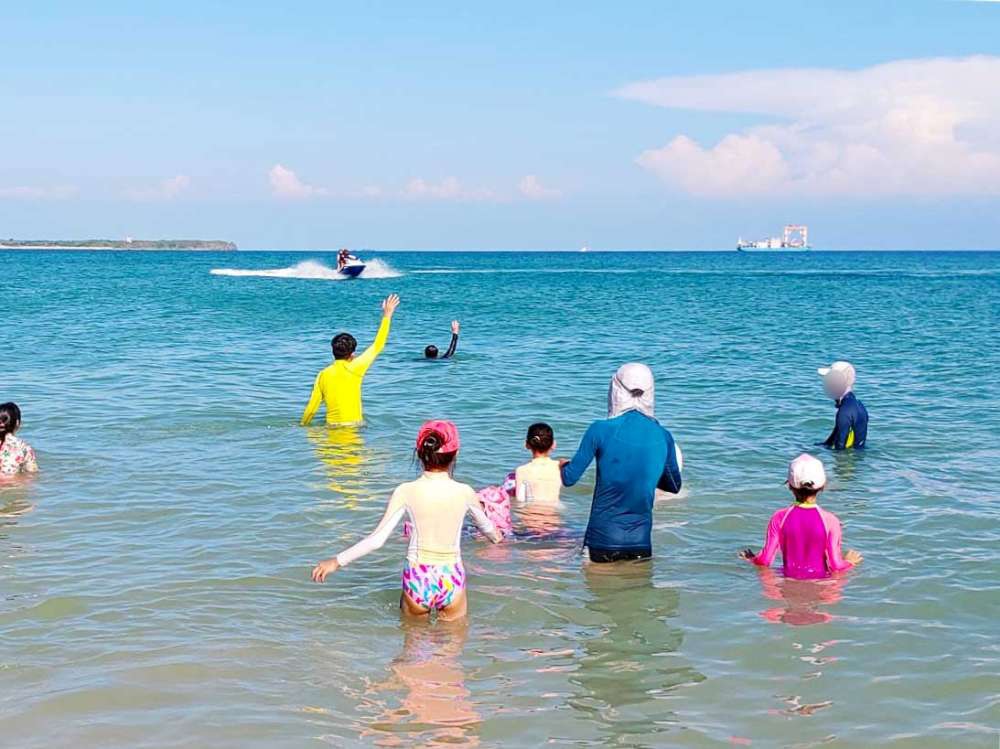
(433, 575)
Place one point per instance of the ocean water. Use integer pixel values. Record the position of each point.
(154, 577)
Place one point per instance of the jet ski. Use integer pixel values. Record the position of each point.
(352, 268)
(349, 265)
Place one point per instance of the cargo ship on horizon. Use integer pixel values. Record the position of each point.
(794, 237)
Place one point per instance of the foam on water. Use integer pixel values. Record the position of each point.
(311, 270)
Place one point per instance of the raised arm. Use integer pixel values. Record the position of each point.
(360, 364)
(454, 340)
(314, 400)
(481, 519)
(571, 471)
(394, 512)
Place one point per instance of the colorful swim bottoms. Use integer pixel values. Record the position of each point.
(433, 585)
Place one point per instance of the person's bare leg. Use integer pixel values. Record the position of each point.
(457, 609)
(412, 610)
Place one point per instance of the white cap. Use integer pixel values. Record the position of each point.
(806, 472)
(841, 367)
(838, 378)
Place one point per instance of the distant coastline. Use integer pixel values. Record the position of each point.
(205, 245)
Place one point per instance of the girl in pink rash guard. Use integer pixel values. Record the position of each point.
(807, 535)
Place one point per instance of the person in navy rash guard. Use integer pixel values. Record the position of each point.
(635, 456)
(851, 427)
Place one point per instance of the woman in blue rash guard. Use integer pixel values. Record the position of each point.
(635, 456)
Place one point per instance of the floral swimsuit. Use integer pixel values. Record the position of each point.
(16, 455)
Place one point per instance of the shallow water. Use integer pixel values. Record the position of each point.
(154, 577)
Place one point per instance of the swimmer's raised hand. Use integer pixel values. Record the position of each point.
(389, 305)
(324, 568)
(454, 327)
(747, 554)
(853, 557)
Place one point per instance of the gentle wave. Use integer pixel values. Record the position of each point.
(311, 270)
(727, 272)
(194, 507)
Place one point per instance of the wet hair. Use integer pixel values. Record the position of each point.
(343, 345)
(540, 437)
(805, 493)
(427, 452)
(10, 420)
(431, 352)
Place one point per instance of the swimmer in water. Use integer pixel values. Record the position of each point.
(539, 481)
(807, 535)
(433, 575)
(339, 385)
(16, 455)
(851, 427)
(431, 352)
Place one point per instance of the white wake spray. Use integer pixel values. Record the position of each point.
(312, 270)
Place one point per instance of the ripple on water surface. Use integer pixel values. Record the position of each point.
(153, 577)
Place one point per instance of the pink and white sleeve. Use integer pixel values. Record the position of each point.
(834, 535)
(772, 540)
(394, 512)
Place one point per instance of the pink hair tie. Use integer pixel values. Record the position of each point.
(446, 429)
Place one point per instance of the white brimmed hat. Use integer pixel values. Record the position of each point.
(841, 367)
(806, 472)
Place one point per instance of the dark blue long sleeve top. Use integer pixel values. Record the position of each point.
(851, 428)
(635, 456)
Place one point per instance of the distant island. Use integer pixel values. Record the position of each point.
(116, 244)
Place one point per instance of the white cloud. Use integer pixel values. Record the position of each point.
(532, 188)
(286, 184)
(450, 188)
(910, 127)
(168, 189)
(174, 185)
(60, 192)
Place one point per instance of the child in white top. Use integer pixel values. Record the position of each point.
(539, 482)
(433, 575)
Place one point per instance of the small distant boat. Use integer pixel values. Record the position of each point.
(585, 248)
(352, 268)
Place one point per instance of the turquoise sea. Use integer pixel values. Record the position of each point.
(154, 577)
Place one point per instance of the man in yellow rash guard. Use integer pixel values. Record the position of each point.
(339, 385)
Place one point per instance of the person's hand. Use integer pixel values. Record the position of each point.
(389, 305)
(853, 557)
(454, 327)
(747, 554)
(324, 568)
(563, 462)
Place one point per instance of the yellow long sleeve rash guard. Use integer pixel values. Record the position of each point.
(339, 385)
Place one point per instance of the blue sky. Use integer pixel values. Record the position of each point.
(529, 125)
